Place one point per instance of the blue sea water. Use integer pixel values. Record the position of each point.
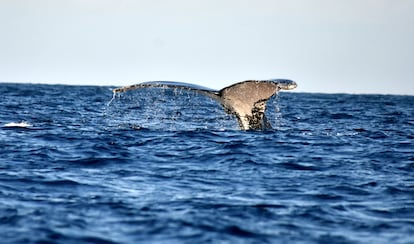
(169, 166)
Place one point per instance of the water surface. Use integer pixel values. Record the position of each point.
(169, 166)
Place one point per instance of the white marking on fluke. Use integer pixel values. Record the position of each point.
(246, 99)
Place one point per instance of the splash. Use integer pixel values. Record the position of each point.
(273, 112)
(167, 109)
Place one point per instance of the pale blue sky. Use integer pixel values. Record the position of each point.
(350, 46)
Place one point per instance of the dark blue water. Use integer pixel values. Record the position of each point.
(169, 166)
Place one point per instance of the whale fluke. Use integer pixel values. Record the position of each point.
(246, 99)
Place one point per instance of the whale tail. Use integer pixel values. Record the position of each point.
(246, 100)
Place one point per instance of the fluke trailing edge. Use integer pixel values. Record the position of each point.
(246, 99)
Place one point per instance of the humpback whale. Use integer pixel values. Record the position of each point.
(246, 100)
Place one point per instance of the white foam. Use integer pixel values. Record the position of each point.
(22, 124)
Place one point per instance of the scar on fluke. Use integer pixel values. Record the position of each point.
(246, 100)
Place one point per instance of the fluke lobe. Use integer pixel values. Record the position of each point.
(246, 99)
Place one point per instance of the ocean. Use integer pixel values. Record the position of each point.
(78, 165)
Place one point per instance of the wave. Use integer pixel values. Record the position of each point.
(22, 124)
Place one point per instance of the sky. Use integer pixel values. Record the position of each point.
(327, 46)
